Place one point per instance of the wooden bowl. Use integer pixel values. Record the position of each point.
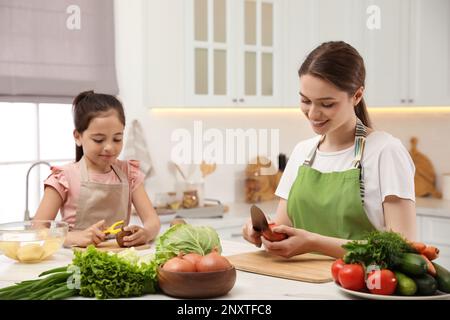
(192, 285)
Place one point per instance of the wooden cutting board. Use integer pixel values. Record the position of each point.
(112, 246)
(306, 267)
(425, 175)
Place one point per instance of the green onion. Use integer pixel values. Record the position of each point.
(60, 269)
(54, 286)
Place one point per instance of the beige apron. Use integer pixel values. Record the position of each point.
(98, 201)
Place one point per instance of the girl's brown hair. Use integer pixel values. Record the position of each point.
(342, 65)
(88, 105)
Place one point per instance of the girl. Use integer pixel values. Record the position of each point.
(349, 179)
(98, 189)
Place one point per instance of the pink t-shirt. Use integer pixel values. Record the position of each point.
(66, 181)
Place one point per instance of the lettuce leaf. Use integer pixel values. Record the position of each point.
(109, 275)
(186, 238)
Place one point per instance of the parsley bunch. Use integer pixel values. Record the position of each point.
(383, 248)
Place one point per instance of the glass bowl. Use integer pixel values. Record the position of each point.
(32, 241)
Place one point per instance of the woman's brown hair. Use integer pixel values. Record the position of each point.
(342, 65)
(88, 105)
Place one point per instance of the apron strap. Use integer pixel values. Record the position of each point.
(85, 176)
(119, 173)
(360, 142)
(310, 158)
(83, 170)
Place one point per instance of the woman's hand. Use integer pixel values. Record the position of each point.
(250, 234)
(83, 238)
(140, 236)
(299, 241)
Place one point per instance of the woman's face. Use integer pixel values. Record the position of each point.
(324, 105)
(102, 141)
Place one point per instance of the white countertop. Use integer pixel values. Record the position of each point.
(249, 286)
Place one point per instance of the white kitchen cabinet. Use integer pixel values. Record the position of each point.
(407, 59)
(435, 231)
(233, 53)
(213, 53)
(312, 22)
(387, 55)
(429, 53)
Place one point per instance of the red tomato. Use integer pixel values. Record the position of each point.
(335, 268)
(351, 277)
(272, 235)
(381, 282)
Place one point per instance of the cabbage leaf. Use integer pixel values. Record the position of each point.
(186, 238)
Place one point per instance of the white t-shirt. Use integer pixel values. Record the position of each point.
(387, 170)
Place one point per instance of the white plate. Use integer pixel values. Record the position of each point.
(439, 296)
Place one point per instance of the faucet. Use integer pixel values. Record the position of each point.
(27, 212)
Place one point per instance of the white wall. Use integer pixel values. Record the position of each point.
(226, 183)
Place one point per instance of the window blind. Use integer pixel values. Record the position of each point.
(50, 50)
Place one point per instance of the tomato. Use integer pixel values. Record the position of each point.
(272, 235)
(351, 277)
(335, 268)
(381, 282)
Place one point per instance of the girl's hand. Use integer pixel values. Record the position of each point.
(91, 235)
(140, 236)
(250, 234)
(299, 241)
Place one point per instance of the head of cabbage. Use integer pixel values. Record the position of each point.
(186, 238)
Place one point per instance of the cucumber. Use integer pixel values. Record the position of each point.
(405, 285)
(412, 264)
(426, 285)
(442, 278)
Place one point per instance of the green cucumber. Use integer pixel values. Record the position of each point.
(426, 285)
(442, 278)
(405, 285)
(412, 264)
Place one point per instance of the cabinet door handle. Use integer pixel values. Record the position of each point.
(403, 100)
(234, 100)
(410, 100)
(241, 100)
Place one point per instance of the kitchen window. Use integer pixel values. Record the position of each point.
(31, 132)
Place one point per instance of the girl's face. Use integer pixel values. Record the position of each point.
(325, 106)
(102, 141)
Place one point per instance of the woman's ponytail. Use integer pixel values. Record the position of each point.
(363, 114)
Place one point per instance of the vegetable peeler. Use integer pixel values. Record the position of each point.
(113, 228)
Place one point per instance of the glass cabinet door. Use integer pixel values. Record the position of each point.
(233, 53)
(259, 53)
(208, 53)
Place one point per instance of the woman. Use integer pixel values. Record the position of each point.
(348, 180)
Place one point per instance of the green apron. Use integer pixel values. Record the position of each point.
(331, 203)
